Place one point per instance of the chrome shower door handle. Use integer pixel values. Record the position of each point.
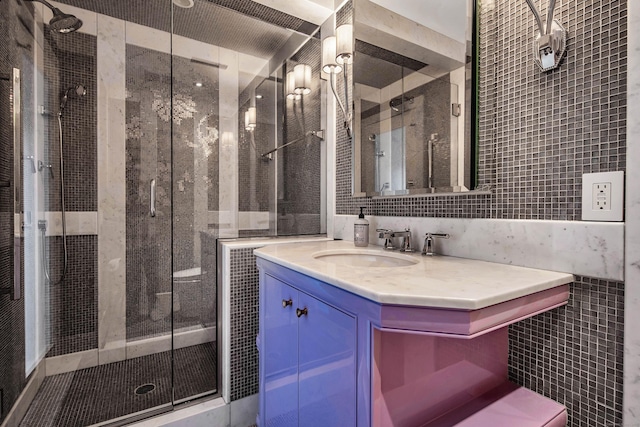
(152, 198)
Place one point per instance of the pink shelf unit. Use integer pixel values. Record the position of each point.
(441, 368)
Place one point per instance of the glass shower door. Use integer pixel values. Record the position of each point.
(197, 135)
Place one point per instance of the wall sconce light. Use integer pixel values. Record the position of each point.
(337, 52)
(550, 43)
(302, 76)
(329, 63)
(291, 86)
(344, 44)
(250, 119)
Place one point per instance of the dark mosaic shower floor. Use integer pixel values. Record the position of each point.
(101, 393)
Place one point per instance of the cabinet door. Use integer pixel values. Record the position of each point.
(280, 344)
(326, 365)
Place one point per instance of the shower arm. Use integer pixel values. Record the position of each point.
(44, 2)
(317, 133)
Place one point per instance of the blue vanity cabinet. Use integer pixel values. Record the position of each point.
(279, 341)
(307, 359)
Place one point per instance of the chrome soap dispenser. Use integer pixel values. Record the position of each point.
(361, 231)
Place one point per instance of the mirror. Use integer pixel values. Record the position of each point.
(412, 94)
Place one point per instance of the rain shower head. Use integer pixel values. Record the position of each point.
(396, 103)
(61, 22)
(79, 90)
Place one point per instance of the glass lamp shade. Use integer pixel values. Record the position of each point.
(344, 44)
(329, 64)
(302, 74)
(250, 118)
(291, 85)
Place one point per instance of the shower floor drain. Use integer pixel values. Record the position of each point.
(145, 388)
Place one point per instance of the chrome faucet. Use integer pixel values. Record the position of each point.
(387, 235)
(428, 248)
(405, 246)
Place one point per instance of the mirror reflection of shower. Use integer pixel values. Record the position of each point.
(73, 92)
(62, 23)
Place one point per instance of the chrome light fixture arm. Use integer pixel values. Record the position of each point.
(347, 115)
(550, 44)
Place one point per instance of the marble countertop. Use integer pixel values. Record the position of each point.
(439, 281)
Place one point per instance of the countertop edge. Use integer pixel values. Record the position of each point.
(452, 303)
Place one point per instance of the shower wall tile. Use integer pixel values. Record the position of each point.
(299, 201)
(185, 172)
(255, 173)
(16, 50)
(574, 354)
(73, 325)
(77, 223)
(112, 190)
(148, 156)
(538, 132)
(70, 59)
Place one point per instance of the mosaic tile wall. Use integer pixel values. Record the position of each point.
(150, 155)
(15, 23)
(244, 323)
(299, 204)
(539, 132)
(574, 354)
(70, 59)
(73, 324)
(256, 173)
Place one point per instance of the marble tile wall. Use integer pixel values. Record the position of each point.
(632, 228)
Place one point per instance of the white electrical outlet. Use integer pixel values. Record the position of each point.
(602, 196)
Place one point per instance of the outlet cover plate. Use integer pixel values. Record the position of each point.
(615, 181)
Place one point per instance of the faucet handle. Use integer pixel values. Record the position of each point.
(427, 249)
(383, 232)
(406, 241)
(386, 235)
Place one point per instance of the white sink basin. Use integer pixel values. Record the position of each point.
(365, 258)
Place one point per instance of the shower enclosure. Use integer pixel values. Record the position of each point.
(132, 138)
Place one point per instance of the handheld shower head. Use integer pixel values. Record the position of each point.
(80, 91)
(61, 22)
